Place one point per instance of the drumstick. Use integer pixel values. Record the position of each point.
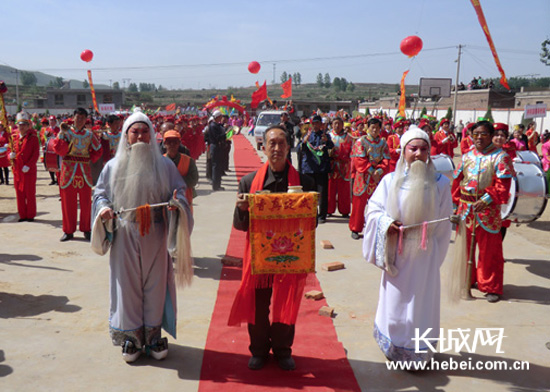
(451, 218)
(122, 209)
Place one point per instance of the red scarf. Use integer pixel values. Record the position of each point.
(288, 289)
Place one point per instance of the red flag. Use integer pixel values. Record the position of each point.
(287, 88)
(258, 96)
(483, 23)
(403, 99)
(171, 107)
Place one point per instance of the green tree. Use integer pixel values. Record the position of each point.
(133, 88)
(116, 85)
(28, 78)
(284, 77)
(326, 80)
(320, 80)
(449, 114)
(298, 77)
(58, 82)
(343, 84)
(350, 88)
(423, 112)
(337, 83)
(489, 115)
(545, 52)
(85, 84)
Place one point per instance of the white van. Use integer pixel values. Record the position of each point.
(265, 120)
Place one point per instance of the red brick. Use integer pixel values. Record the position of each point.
(232, 260)
(326, 244)
(333, 266)
(315, 294)
(326, 311)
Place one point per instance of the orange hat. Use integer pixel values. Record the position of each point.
(171, 134)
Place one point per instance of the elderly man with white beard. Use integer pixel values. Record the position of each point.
(142, 284)
(411, 257)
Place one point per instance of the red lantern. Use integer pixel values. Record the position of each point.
(411, 46)
(254, 67)
(87, 55)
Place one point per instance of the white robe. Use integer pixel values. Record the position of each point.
(143, 293)
(411, 299)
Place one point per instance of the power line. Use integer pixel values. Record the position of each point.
(158, 67)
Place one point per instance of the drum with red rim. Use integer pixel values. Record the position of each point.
(51, 159)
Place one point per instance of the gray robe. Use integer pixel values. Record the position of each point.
(142, 285)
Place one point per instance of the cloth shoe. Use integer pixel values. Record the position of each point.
(129, 352)
(491, 297)
(355, 235)
(87, 235)
(66, 237)
(160, 350)
(286, 363)
(256, 362)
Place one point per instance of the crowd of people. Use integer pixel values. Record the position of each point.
(375, 170)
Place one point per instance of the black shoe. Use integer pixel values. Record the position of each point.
(30, 220)
(355, 235)
(52, 183)
(491, 297)
(345, 215)
(329, 215)
(256, 362)
(221, 188)
(474, 286)
(87, 235)
(322, 220)
(286, 363)
(21, 220)
(66, 237)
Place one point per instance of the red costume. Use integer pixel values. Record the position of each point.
(446, 142)
(369, 156)
(340, 176)
(466, 144)
(78, 148)
(4, 149)
(27, 150)
(532, 142)
(394, 147)
(487, 174)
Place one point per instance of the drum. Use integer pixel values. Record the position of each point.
(51, 159)
(444, 165)
(529, 157)
(527, 194)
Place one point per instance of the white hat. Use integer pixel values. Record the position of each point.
(217, 113)
(414, 133)
(137, 117)
(22, 116)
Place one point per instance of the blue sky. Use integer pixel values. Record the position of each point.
(201, 44)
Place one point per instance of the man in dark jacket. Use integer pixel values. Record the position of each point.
(216, 141)
(314, 149)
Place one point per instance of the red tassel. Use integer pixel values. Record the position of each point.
(400, 244)
(424, 242)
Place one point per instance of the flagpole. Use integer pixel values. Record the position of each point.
(456, 83)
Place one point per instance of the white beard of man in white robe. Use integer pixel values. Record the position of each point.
(409, 299)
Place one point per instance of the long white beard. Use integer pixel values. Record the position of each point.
(139, 178)
(412, 200)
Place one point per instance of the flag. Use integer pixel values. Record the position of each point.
(403, 99)
(171, 107)
(92, 89)
(259, 95)
(287, 88)
(485, 28)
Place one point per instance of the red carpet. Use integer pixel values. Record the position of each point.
(320, 358)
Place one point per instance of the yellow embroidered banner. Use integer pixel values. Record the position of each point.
(403, 98)
(282, 232)
(92, 89)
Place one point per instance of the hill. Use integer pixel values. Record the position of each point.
(8, 75)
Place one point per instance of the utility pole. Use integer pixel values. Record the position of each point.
(274, 67)
(456, 84)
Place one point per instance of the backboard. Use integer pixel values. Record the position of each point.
(434, 87)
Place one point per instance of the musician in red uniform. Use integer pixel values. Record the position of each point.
(446, 139)
(481, 185)
(51, 133)
(4, 156)
(340, 176)
(27, 150)
(78, 147)
(369, 163)
(467, 141)
(425, 125)
(394, 143)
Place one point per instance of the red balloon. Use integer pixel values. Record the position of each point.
(87, 55)
(411, 46)
(254, 67)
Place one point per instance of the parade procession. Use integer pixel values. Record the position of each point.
(317, 234)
